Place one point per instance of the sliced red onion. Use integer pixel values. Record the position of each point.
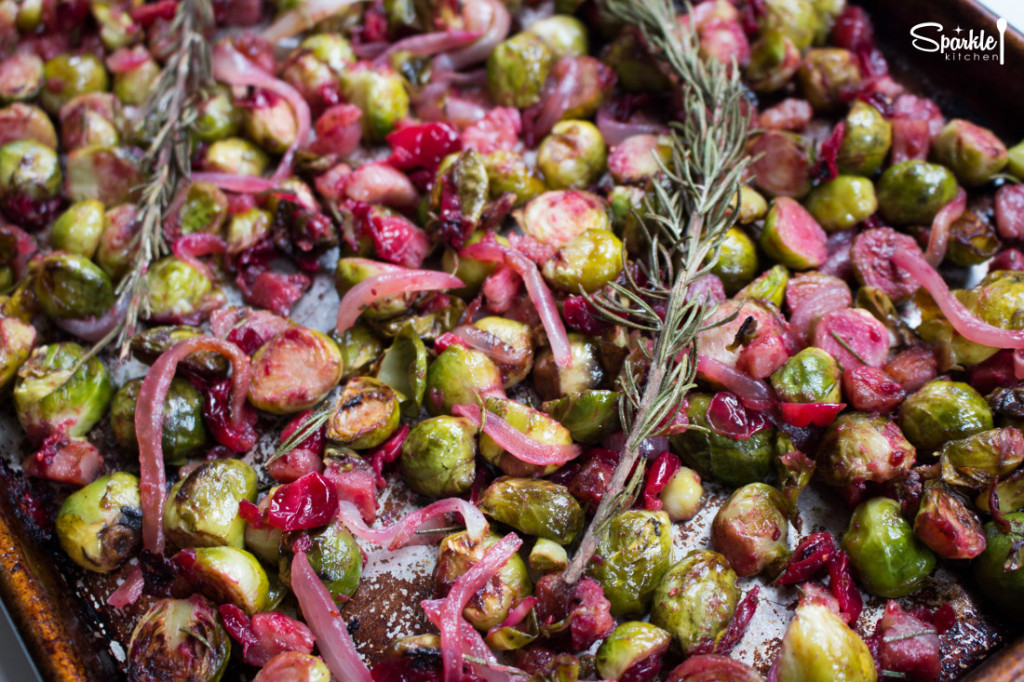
(323, 618)
(188, 247)
(556, 100)
(245, 184)
(969, 326)
(390, 283)
(123, 59)
(753, 393)
(615, 131)
(95, 328)
(489, 344)
(517, 443)
(516, 615)
(149, 424)
(648, 446)
(489, 16)
(402, 532)
(938, 239)
(428, 44)
(231, 67)
(294, 22)
(129, 591)
(537, 290)
(474, 645)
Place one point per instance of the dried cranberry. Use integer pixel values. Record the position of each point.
(829, 153)
(995, 372)
(843, 588)
(581, 315)
(658, 475)
(30, 213)
(217, 415)
(423, 145)
(592, 478)
(1008, 259)
(812, 555)
(643, 670)
(737, 627)
(250, 513)
(407, 670)
(386, 453)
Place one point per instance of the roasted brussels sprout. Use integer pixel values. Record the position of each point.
(99, 526)
(866, 140)
(556, 218)
(403, 367)
(202, 509)
(564, 34)
(737, 263)
(887, 558)
(774, 60)
(572, 156)
(635, 551)
(149, 344)
(490, 605)
(132, 87)
(78, 229)
(639, 158)
(21, 77)
(380, 94)
(592, 259)
(507, 171)
(681, 498)
(365, 414)
(516, 359)
(459, 376)
(177, 291)
(797, 19)
(68, 75)
(750, 530)
(517, 69)
(28, 170)
(941, 411)
(826, 74)
(294, 666)
(179, 640)
(842, 202)
(184, 431)
(316, 65)
(264, 542)
(226, 575)
(977, 459)
(792, 237)
(695, 599)
(536, 507)
(998, 570)
(589, 415)
(537, 425)
(631, 644)
(912, 192)
(47, 402)
(810, 376)
(972, 240)
(294, 370)
(204, 208)
(733, 461)
(586, 373)
(548, 557)
(333, 554)
(68, 285)
(16, 341)
(26, 122)
(112, 175)
(351, 271)
(217, 116)
(973, 153)
(946, 525)
(819, 647)
(271, 125)
(236, 156)
(438, 456)
(861, 447)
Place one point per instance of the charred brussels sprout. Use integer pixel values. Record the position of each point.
(364, 415)
(99, 526)
(630, 645)
(843, 202)
(972, 240)
(46, 401)
(226, 575)
(438, 456)
(468, 175)
(695, 599)
(294, 371)
(941, 411)
(635, 551)
(592, 259)
(737, 262)
(973, 153)
(294, 666)
(826, 74)
(733, 461)
(572, 156)
(176, 290)
(333, 554)
(184, 431)
(998, 570)
(535, 507)
(68, 285)
(150, 343)
(28, 170)
(179, 640)
(78, 229)
(537, 425)
(886, 556)
(810, 376)
(860, 447)
(202, 510)
(750, 530)
(586, 372)
(517, 69)
(490, 605)
(819, 647)
(68, 75)
(515, 338)
(380, 94)
(589, 415)
(912, 192)
(459, 376)
(866, 140)
(236, 156)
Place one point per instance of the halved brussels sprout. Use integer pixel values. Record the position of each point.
(26, 122)
(630, 644)
(736, 264)
(589, 415)
(179, 640)
(810, 376)
(556, 218)
(403, 367)
(271, 125)
(359, 348)
(48, 401)
(639, 158)
(460, 376)
(564, 34)
(112, 175)
(695, 599)
(508, 172)
(819, 647)
(150, 343)
(886, 556)
(133, 87)
(774, 60)
(68, 285)
(202, 509)
(537, 425)
(316, 64)
(585, 373)
(751, 529)
(365, 414)
(226, 575)
(490, 605)
(548, 557)
(184, 431)
(177, 290)
(533, 506)
(78, 229)
(29, 170)
(294, 371)
(974, 153)
(99, 526)
(941, 411)
(334, 555)
(1003, 587)
(826, 74)
(635, 551)
(217, 116)
(351, 271)
(203, 208)
(976, 460)
(797, 19)
(516, 363)
(21, 77)
(682, 496)
(67, 75)
(438, 456)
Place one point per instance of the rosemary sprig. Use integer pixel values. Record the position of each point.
(685, 217)
(312, 424)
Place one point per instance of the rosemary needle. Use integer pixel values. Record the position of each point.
(684, 219)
